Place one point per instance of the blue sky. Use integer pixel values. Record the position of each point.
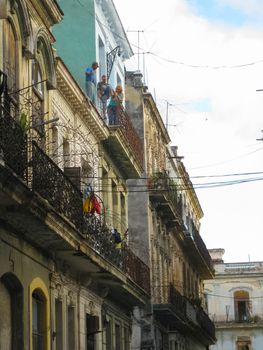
(217, 11)
(200, 106)
(217, 112)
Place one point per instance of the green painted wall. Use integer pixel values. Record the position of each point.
(75, 37)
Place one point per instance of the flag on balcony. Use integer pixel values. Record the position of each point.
(91, 203)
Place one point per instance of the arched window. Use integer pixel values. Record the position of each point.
(5, 318)
(39, 316)
(38, 320)
(10, 67)
(11, 315)
(10, 56)
(38, 99)
(242, 306)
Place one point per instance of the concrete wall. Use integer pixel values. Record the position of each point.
(22, 264)
(138, 203)
(226, 339)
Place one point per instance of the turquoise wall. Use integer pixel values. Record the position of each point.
(75, 37)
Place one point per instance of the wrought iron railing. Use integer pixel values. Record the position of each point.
(101, 239)
(136, 269)
(53, 185)
(185, 309)
(130, 134)
(13, 140)
(177, 300)
(168, 294)
(195, 236)
(205, 323)
(161, 182)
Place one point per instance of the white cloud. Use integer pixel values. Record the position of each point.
(227, 133)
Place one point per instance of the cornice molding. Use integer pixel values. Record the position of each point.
(79, 102)
(156, 114)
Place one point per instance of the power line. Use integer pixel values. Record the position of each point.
(176, 186)
(206, 66)
(231, 297)
(242, 65)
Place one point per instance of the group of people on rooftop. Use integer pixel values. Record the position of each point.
(110, 100)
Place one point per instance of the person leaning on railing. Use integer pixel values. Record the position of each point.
(115, 105)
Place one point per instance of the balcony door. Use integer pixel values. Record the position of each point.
(242, 306)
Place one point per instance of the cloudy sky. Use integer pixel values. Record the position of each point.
(203, 61)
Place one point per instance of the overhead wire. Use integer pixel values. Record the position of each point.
(231, 297)
(242, 65)
(227, 160)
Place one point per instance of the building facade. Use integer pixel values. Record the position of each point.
(99, 224)
(169, 230)
(92, 31)
(234, 301)
(68, 279)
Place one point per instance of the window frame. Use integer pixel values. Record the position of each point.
(37, 285)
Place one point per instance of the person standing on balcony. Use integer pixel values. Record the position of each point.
(104, 92)
(115, 105)
(91, 81)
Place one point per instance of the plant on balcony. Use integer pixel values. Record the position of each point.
(158, 180)
(255, 319)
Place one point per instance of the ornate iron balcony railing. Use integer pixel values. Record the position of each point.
(101, 239)
(130, 134)
(13, 140)
(185, 309)
(161, 182)
(201, 246)
(205, 323)
(51, 183)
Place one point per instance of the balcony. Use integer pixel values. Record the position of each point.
(52, 184)
(247, 320)
(38, 199)
(125, 146)
(100, 238)
(163, 194)
(179, 314)
(13, 154)
(198, 252)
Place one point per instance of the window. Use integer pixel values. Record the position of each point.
(126, 338)
(242, 306)
(5, 318)
(123, 209)
(10, 56)
(55, 144)
(71, 328)
(11, 314)
(66, 153)
(117, 337)
(115, 202)
(102, 58)
(105, 185)
(38, 317)
(92, 327)
(59, 327)
(243, 343)
(108, 331)
(38, 99)
(10, 67)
